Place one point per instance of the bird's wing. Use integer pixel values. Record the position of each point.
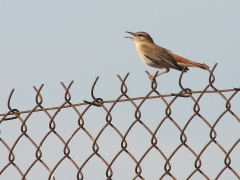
(167, 50)
(158, 54)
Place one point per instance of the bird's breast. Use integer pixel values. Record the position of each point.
(147, 60)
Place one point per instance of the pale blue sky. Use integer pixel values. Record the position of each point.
(47, 42)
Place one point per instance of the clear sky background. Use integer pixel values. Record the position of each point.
(47, 42)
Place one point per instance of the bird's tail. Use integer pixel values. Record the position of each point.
(186, 62)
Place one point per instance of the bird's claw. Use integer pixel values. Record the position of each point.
(152, 78)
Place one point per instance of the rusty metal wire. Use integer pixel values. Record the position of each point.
(15, 114)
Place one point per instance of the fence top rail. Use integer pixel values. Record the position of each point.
(125, 99)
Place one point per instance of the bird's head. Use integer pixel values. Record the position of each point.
(140, 37)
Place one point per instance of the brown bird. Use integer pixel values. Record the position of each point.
(159, 57)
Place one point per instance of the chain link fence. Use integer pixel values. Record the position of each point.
(110, 146)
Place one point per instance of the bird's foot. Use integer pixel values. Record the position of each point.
(153, 78)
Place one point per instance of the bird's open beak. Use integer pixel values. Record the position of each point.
(130, 36)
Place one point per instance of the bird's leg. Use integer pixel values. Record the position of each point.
(152, 78)
(166, 71)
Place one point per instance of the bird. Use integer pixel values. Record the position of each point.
(159, 57)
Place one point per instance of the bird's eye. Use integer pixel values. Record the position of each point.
(140, 35)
